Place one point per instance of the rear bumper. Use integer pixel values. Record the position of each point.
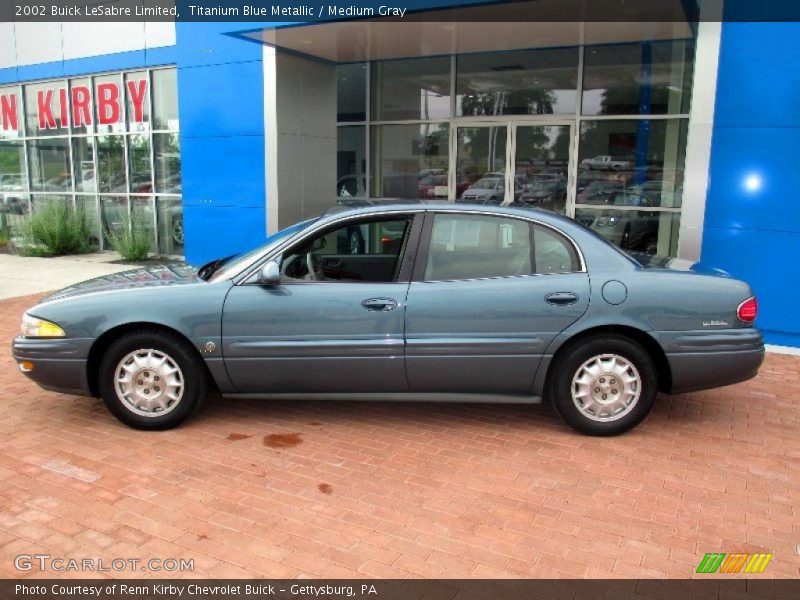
(701, 360)
(58, 365)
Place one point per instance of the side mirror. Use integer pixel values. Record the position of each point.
(270, 274)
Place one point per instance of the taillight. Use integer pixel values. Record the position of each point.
(748, 310)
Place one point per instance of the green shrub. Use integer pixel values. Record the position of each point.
(3, 238)
(56, 228)
(131, 237)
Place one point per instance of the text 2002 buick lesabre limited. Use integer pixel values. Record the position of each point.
(409, 302)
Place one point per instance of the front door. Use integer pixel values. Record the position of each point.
(335, 321)
(487, 298)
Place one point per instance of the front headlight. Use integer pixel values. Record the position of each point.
(33, 327)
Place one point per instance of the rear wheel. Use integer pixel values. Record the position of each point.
(152, 379)
(604, 385)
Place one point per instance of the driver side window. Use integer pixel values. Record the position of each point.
(359, 251)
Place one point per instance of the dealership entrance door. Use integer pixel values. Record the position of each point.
(528, 162)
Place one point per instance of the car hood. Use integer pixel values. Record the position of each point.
(168, 274)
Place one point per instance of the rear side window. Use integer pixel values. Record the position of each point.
(478, 246)
(552, 252)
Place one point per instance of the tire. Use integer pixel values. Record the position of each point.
(615, 410)
(153, 354)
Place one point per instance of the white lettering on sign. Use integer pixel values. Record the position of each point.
(56, 106)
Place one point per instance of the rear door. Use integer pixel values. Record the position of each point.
(489, 294)
(335, 321)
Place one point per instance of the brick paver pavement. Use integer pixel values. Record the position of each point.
(347, 489)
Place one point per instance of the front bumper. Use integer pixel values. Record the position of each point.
(701, 360)
(59, 365)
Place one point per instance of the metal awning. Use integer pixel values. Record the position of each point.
(484, 28)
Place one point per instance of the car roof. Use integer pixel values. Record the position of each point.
(365, 207)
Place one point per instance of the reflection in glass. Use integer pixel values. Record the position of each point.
(481, 165)
(639, 78)
(531, 82)
(111, 163)
(48, 161)
(12, 101)
(14, 211)
(12, 166)
(641, 156)
(83, 164)
(540, 166)
(416, 88)
(351, 92)
(141, 181)
(51, 97)
(408, 161)
(113, 213)
(143, 214)
(167, 154)
(89, 206)
(165, 99)
(351, 161)
(633, 230)
(170, 225)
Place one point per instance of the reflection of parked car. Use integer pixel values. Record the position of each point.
(606, 163)
(630, 230)
(596, 187)
(543, 192)
(487, 190)
(12, 200)
(438, 314)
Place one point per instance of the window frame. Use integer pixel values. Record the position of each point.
(423, 249)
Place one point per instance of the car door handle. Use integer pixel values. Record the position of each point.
(379, 304)
(561, 298)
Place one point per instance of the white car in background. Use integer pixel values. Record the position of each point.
(605, 162)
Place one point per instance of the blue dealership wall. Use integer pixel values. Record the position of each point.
(752, 222)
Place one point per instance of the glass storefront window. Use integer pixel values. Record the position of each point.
(12, 166)
(643, 156)
(351, 92)
(410, 161)
(139, 171)
(165, 99)
(46, 109)
(83, 164)
(99, 167)
(648, 232)
(113, 214)
(108, 91)
(111, 164)
(416, 88)
(481, 164)
(541, 164)
(533, 82)
(351, 162)
(640, 78)
(170, 225)
(49, 164)
(11, 117)
(167, 156)
(143, 214)
(137, 98)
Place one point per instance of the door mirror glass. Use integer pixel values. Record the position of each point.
(270, 274)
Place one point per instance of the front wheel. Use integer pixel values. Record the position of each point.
(605, 385)
(152, 379)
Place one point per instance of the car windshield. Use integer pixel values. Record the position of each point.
(240, 261)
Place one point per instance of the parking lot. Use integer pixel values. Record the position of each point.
(348, 489)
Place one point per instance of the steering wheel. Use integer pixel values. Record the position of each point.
(312, 274)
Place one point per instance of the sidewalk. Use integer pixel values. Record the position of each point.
(20, 275)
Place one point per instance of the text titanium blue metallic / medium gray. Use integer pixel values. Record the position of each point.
(438, 302)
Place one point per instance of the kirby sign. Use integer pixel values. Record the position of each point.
(57, 106)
